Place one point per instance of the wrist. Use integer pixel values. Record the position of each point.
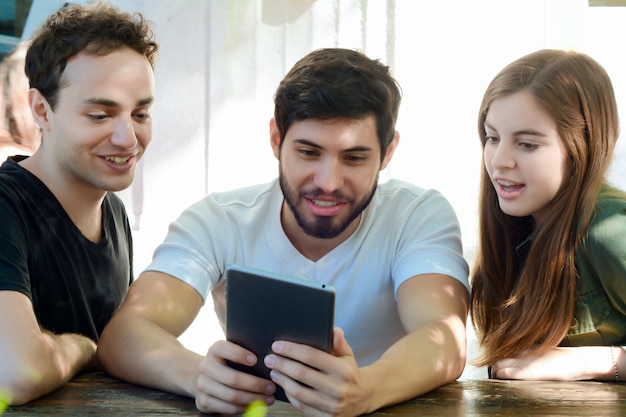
(598, 362)
(76, 348)
(616, 357)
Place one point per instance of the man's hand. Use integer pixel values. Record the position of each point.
(328, 385)
(222, 389)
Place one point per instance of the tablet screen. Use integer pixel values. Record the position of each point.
(262, 307)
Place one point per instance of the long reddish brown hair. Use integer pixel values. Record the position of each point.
(530, 309)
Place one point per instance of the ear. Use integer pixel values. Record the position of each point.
(275, 138)
(391, 148)
(40, 109)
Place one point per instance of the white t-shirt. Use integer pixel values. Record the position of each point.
(405, 231)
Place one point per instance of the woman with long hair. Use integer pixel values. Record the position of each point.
(549, 279)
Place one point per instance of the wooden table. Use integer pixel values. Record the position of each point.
(97, 394)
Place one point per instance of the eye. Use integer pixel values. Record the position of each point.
(308, 153)
(98, 117)
(355, 159)
(491, 139)
(142, 117)
(528, 146)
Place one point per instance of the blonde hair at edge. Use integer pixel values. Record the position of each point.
(578, 93)
(18, 132)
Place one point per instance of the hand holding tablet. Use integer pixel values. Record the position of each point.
(262, 307)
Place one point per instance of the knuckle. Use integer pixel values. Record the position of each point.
(230, 379)
(299, 372)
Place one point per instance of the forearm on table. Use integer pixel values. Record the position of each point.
(137, 350)
(45, 365)
(423, 360)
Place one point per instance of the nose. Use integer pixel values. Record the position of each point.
(124, 134)
(500, 155)
(329, 176)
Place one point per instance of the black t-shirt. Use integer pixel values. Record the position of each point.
(75, 285)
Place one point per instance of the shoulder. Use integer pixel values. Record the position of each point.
(245, 197)
(611, 200)
(20, 180)
(222, 208)
(9, 170)
(235, 201)
(408, 210)
(399, 194)
(18, 184)
(610, 207)
(398, 189)
(608, 224)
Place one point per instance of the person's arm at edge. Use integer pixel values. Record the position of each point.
(33, 361)
(433, 309)
(579, 363)
(140, 342)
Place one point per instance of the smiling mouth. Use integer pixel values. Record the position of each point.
(508, 185)
(321, 203)
(117, 160)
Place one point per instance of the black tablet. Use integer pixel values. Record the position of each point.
(262, 307)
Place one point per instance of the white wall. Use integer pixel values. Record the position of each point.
(221, 60)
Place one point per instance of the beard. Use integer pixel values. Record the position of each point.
(322, 227)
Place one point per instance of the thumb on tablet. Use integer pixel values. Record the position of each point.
(340, 344)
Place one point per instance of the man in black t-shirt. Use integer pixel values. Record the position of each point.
(65, 240)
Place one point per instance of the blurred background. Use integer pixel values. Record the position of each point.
(221, 60)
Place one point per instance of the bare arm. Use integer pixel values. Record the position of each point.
(565, 364)
(433, 309)
(140, 342)
(33, 361)
(140, 345)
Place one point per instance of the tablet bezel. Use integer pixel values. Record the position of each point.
(262, 307)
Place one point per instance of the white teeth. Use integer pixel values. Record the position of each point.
(324, 203)
(117, 160)
(506, 183)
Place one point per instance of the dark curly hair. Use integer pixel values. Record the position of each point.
(94, 29)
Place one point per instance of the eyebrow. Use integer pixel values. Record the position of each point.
(110, 103)
(519, 132)
(316, 146)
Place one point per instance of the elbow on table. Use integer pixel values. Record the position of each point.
(20, 386)
(458, 367)
(453, 363)
(460, 361)
(107, 354)
(457, 352)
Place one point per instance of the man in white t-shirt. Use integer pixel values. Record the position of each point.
(392, 251)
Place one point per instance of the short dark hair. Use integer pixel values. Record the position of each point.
(95, 29)
(335, 83)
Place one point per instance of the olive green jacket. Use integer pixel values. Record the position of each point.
(600, 306)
